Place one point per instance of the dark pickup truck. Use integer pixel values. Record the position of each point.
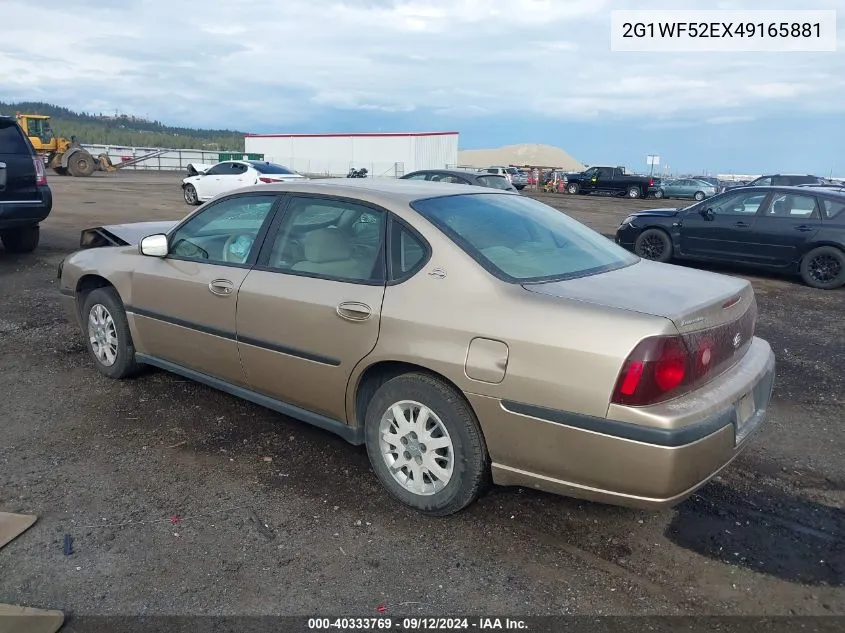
(612, 180)
(25, 197)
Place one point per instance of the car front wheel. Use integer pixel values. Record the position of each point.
(190, 194)
(654, 244)
(425, 444)
(107, 333)
(699, 195)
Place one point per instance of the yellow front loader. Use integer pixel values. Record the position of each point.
(64, 156)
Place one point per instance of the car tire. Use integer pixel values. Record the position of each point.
(189, 192)
(21, 240)
(654, 244)
(106, 329)
(634, 193)
(461, 454)
(824, 268)
(658, 194)
(81, 164)
(699, 196)
(573, 188)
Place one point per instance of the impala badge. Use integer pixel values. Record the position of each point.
(737, 340)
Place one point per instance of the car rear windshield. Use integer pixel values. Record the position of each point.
(12, 141)
(521, 240)
(272, 168)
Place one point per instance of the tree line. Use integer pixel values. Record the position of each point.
(99, 129)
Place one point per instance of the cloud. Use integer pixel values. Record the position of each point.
(258, 65)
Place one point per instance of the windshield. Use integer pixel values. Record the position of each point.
(272, 168)
(522, 240)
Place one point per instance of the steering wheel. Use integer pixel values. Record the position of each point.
(237, 247)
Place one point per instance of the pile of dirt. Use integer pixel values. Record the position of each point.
(524, 154)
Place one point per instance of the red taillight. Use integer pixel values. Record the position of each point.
(671, 368)
(664, 367)
(270, 180)
(651, 182)
(40, 175)
(656, 367)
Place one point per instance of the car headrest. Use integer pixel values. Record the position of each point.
(326, 245)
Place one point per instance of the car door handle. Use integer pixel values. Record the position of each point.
(221, 287)
(354, 311)
(741, 225)
(804, 228)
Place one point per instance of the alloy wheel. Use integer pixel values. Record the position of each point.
(102, 334)
(825, 268)
(416, 447)
(652, 247)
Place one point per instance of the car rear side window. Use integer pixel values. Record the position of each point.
(407, 252)
(495, 182)
(522, 240)
(833, 208)
(789, 205)
(272, 168)
(12, 140)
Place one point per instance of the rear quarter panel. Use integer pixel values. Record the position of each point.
(561, 354)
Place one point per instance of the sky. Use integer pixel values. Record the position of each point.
(519, 71)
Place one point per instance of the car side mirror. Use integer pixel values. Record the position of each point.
(707, 213)
(154, 245)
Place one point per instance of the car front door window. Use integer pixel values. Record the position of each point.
(746, 204)
(225, 232)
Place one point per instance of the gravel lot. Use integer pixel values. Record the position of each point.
(271, 516)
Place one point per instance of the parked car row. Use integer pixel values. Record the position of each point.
(798, 230)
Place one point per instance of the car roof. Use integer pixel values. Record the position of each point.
(796, 189)
(454, 172)
(377, 190)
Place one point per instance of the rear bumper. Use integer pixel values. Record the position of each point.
(26, 213)
(656, 463)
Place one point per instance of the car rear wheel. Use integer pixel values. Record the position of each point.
(425, 444)
(699, 195)
(21, 240)
(573, 188)
(107, 332)
(654, 244)
(658, 194)
(824, 268)
(190, 194)
(634, 192)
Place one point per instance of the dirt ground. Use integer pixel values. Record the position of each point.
(183, 500)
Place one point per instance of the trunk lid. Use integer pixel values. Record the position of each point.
(692, 299)
(716, 315)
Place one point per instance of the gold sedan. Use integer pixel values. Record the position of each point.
(462, 334)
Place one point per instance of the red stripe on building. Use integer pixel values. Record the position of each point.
(381, 134)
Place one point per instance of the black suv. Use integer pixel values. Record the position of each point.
(782, 180)
(25, 197)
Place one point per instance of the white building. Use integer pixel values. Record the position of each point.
(391, 155)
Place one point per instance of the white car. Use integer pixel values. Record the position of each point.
(233, 174)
